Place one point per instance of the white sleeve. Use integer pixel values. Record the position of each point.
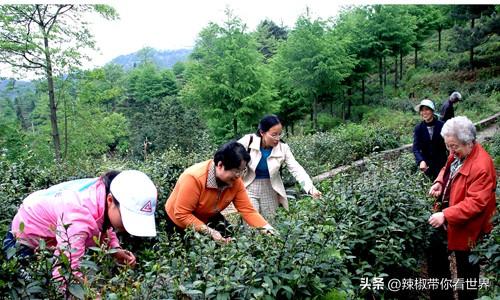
(298, 171)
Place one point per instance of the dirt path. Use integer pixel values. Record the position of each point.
(486, 129)
(488, 132)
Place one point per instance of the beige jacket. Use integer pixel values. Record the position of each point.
(279, 155)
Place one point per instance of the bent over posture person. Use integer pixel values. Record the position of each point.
(466, 187)
(205, 189)
(68, 216)
(447, 110)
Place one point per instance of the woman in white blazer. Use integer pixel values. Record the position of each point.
(262, 178)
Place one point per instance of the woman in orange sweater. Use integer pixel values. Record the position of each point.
(205, 189)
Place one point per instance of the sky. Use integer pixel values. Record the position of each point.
(168, 25)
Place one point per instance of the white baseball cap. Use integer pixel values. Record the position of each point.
(137, 195)
(425, 102)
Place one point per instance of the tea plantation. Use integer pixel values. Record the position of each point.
(370, 224)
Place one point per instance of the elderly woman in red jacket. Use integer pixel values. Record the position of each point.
(466, 186)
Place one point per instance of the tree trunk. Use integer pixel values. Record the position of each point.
(396, 76)
(52, 101)
(385, 72)
(439, 39)
(363, 91)
(315, 113)
(65, 130)
(343, 106)
(471, 51)
(20, 114)
(400, 65)
(349, 103)
(416, 57)
(380, 74)
(235, 127)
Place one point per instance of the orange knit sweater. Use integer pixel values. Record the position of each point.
(192, 202)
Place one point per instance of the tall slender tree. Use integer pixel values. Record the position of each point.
(228, 78)
(441, 20)
(47, 39)
(268, 35)
(312, 63)
(478, 32)
(425, 16)
(352, 26)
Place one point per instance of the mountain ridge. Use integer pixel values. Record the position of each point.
(164, 59)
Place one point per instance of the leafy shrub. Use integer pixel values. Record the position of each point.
(164, 169)
(400, 123)
(323, 151)
(399, 104)
(382, 214)
(488, 86)
(493, 148)
(369, 223)
(436, 61)
(487, 253)
(31, 277)
(327, 122)
(477, 106)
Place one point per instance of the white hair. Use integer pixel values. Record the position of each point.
(461, 128)
(455, 96)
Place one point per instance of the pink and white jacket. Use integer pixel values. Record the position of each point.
(79, 204)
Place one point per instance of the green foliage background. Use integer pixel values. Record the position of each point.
(345, 88)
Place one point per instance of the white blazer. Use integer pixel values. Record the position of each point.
(281, 153)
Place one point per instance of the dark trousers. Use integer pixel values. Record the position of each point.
(217, 222)
(467, 271)
(10, 247)
(439, 267)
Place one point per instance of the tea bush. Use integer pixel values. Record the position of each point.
(321, 152)
(493, 148)
(369, 223)
(478, 106)
(382, 214)
(487, 253)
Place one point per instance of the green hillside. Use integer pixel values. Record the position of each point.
(344, 88)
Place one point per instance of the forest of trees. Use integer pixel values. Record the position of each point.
(313, 76)
(345, 88)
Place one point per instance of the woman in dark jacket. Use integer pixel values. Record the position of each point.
(428, 144)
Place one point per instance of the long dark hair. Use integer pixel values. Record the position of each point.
(266, 123)
(106, 179)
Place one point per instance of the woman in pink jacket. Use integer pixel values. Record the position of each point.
(92, 207)
(466, 186)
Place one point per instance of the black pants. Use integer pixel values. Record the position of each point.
(466, 271)
(439, 267)
(10, 247)
(217, 222)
